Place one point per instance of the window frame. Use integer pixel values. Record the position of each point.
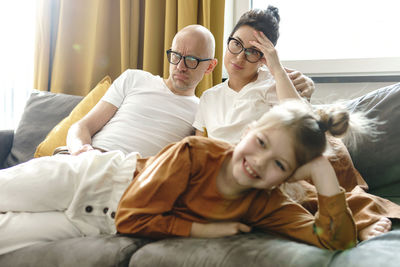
(384, 69)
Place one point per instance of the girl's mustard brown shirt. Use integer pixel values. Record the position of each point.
(178, 187)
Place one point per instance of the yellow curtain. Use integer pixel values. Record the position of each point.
(79, 42)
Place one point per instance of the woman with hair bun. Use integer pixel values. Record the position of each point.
(252, 64)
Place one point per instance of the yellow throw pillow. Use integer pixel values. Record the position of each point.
(58, 135)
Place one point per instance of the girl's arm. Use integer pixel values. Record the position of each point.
(332, 226)
(322, 174)
(145, 207)
(284, 86)
(218, 229)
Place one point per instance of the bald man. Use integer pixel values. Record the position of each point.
(53, 198)
(142, 112)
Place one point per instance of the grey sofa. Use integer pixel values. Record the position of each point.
(378, 162)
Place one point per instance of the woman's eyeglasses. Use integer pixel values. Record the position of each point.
(236, 47)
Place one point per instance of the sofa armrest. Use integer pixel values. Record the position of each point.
(6, 141)
(42, 112)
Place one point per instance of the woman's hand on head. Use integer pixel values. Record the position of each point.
(303, 84)
(218, 229)
(270, 57)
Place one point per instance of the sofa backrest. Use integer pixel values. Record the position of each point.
(42, 112)
(378, 161)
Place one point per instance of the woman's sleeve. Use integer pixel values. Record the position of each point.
(146, 207)
(199, 123)
(332, 227)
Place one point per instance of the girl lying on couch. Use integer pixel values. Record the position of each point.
(202, 187)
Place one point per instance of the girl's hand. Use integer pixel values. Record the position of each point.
(218, 229)
(270, 58)
(322, 175)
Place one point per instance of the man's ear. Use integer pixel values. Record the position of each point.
(211, 66)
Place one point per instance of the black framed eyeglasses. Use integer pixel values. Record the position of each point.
(191, 62)
(236, 47)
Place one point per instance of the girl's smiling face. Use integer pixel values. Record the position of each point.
(263, 159)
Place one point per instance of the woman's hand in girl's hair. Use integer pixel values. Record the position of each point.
(270, 58)
(322, 175)
(218, 229)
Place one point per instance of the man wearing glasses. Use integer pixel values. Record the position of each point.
(141, 112)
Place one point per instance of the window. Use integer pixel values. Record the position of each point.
(17, 29)
(336, 38)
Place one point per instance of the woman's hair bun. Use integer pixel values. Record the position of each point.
(275, 12)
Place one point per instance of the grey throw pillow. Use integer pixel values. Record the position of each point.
(42, 112)
(379, 161)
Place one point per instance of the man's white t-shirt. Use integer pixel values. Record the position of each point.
(149, 115)
(225, 113)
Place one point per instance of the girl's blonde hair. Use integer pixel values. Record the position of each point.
(309, 127)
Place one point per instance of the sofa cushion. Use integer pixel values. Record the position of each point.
(58, 135)
(106, 250)
(379, 251)
(42, 112)
(378, 160)
(255, 249)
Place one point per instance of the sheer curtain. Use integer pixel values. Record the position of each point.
(17, 30)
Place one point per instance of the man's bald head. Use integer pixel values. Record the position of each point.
(196, 43)
(199, 34)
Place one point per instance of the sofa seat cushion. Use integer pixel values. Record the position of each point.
(262, 249)
(255, 249)
(106, 250)
(378, 251)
